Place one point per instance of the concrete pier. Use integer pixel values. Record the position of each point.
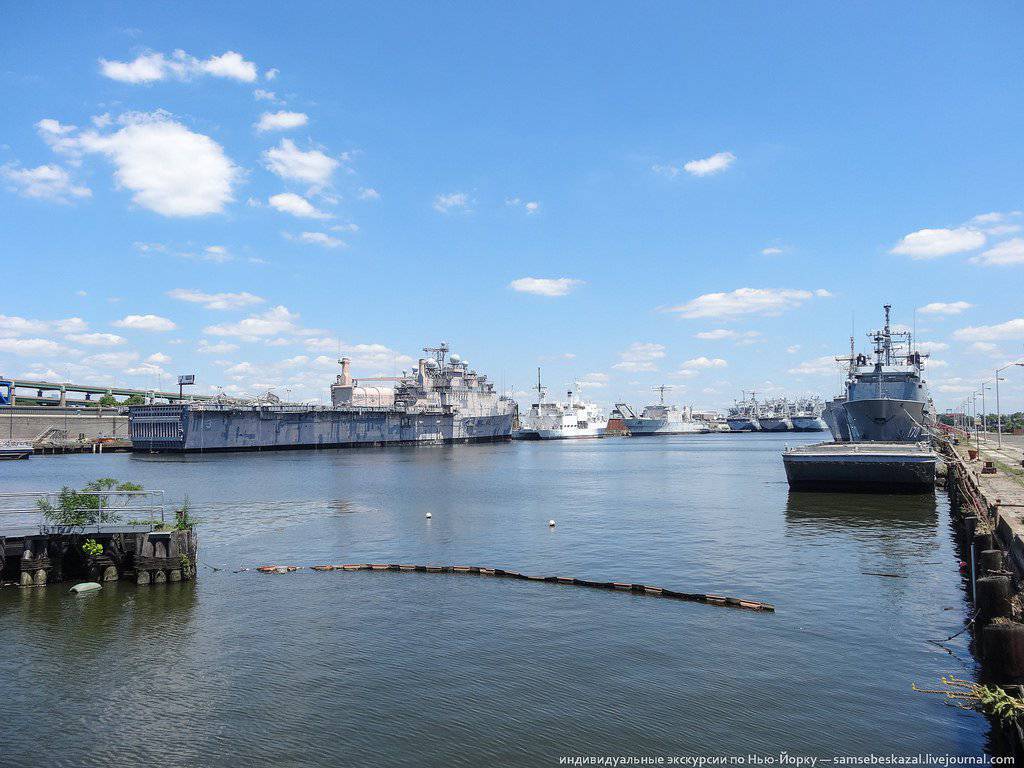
(35, 556)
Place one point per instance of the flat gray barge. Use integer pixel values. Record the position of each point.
(880, 467)
(442, 401)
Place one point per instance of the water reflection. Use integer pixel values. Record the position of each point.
(823, 511)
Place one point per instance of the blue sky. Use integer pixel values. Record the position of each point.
(690, 194)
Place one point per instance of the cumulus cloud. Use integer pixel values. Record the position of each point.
(1004, 254)
(218, 348)
(158, 358)
(928, 347)
(819, 366)
(1011, 329)
(640, 356)
(747, 301)
(296, 205)
(709, 165)
(453, 201)
(933, 243)
(215, 300)
(281, 121)
(545, 286)
(96, 339)
(274, 321)
(170, 169)
(44, 182)
(12, 325)
(291, 163)
(32, 347)
(771, 251)
(153, 67)
(368, 193)
(318, 238)
(704, 362)
(944, 308)
(146, 323)
(718, 334)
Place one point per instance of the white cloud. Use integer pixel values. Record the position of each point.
(704, 362)
(709, 165)
(771, 251)
(146, 369)
(1001, 255)
(32, 347)
(281, 121)
(152, 67)
(792, 349)
(545, 286)
(944, 308)
(746, 301)
(927, 347)
(718, 334)
(44, 182)
(146, 323)
(296, 205)
(819, 366)
(274, 321)
(96, 339)
(291, 163)
(271, 74)
(262, 95)
(70, 325)
(593, 381)
(640, 356)
(219, 348)
(318, 238)
(368, 193)
(172, 170)
(215, 300)
(11, 325)
(532, 207)
(453, 201)
(932, 243)
(1011, 329)
(158, 358)
(986, 348)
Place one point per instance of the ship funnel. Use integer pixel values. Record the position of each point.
(346, 374)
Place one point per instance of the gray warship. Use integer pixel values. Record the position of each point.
(442, 401)
(886, 399)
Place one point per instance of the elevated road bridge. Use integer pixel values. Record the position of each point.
(31, 392)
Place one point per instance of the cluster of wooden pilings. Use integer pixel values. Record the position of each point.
(998, 635)
(132, 552)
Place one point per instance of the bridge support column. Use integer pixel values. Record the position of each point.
(63, 397)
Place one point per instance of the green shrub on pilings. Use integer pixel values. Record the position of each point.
(89, 506)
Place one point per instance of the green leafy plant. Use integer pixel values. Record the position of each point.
(989, 699)
(186, 563)
(92, 548)
(183, 520)
(89, 506)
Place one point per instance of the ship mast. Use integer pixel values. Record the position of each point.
(661, 391)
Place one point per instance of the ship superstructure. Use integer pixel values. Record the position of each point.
(885, 399)
(442, 401)
(661, 418)
(774, 415)
(743, 415)
(806, 415)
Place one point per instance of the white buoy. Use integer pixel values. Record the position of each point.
(86, 586)
(551, 523)
(429, 515)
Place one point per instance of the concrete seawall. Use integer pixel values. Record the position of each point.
(32, 423)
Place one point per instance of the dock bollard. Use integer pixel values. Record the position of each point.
(989, 561)
(1002, 650)
(982, 541)
(993, 597)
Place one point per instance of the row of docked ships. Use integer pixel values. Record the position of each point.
(778, 415)
(443, 400)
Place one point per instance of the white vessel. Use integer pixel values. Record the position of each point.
(661, 418)
(807, 416)
(775, 416)
(744, 415)
(575, 418)
(15, 449)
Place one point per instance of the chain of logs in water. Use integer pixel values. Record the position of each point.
(646, 589)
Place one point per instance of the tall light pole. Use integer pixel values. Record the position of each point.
(999, 413)
(984, 424)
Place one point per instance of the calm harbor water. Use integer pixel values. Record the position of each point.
(440, 670)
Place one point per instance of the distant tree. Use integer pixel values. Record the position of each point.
(135, 400)
(108, 401)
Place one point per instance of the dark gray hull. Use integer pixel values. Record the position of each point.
(181, 429)
(885, 420)
(876, 468)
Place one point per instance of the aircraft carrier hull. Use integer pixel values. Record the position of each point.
(182, 429)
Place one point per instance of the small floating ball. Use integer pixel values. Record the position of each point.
(429, 515)
(551, 523)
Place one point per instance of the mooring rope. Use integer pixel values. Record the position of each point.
(646, 589)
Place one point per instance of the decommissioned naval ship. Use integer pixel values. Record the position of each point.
(442, 401)
(660, 418)
(744, 415)
(775, 416)
(885, 400)
(807, 415)
(552, 420)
